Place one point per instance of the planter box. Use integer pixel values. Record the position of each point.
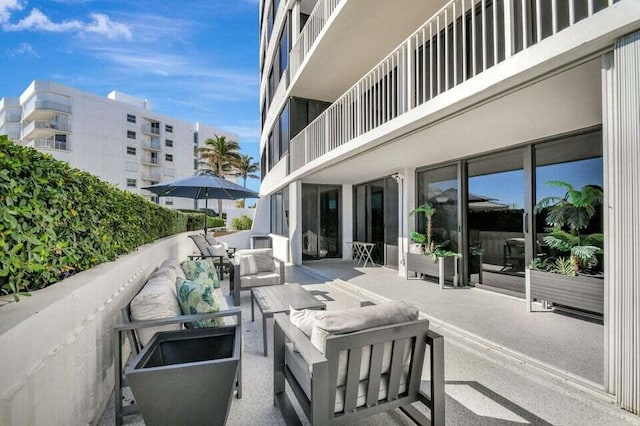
(581, 292)
(426, 265)
(186, 376)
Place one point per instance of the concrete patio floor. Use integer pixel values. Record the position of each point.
(482, 387)
(571, 345)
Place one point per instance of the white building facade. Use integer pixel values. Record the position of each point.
(117, 138)
(370, 109)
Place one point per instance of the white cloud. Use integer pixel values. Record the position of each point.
(38, 21)
(103, 25)
(24, 49)
(100, 24)
(7, 7)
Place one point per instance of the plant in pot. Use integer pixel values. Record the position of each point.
(573, 278)
(425, 255)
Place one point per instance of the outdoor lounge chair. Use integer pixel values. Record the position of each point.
(372, 363)
(211, 251)
(254, 268)
(212, 241)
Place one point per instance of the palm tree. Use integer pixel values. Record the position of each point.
(246, 168)
(219, 155)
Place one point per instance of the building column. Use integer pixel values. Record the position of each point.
(621, 121)
(406, 224)
(295, 222)
(347, 220)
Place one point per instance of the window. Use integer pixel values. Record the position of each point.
(168, 128)
(168, 201)
(131, 150)
(131, 118)
(280, 212)
(195, 164)
(272, 85)
(303, 112)
(195, 138)
(284, 48)
(270, 18)
(263, 163)
(284, 131)
(168, 143)
(132, 183)
(131, 134)
(168, 157)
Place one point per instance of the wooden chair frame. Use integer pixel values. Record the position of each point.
(324, 369)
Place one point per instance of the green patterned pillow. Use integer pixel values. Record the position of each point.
(196, 297)
(204, 270)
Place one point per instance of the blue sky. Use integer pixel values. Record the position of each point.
(194, 60)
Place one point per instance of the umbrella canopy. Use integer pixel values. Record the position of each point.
(202, 187)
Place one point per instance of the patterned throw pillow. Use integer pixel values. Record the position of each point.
(204, 270)
(196, 297)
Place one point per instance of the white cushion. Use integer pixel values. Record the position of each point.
(218, 250)
(168, 272)
(254, 251)
(175, 265)
(260, 279)
(303, 319)
(248, 265)
(156, 300)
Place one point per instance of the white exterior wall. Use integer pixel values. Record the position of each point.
(98, 139)
(63, 373)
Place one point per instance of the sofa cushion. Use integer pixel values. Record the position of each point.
(203, 270)
(167, 272)
(260, 279)
(175, 265)
(156, 300)
(265, 263)
(303, 319)
(248, 265)
(266, 251)
(197, 297)
(350, 320)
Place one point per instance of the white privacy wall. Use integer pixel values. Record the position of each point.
(56, 346)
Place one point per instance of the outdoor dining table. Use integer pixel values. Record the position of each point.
(361, 252)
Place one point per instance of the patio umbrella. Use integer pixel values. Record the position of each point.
(202, 186)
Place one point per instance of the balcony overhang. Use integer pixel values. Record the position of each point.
(356, 37)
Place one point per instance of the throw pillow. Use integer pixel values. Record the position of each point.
(196, 297)
(156, 300)
(264, 263)
(204, 270)
(303, 319)
(248, 265)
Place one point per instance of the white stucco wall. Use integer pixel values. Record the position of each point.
(56, 346)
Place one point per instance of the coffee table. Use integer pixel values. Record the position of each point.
(274, 299)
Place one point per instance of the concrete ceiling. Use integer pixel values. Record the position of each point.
(560, 104)
(361, 35)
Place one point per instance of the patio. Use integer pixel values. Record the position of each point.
(482, 388)
(571, 346)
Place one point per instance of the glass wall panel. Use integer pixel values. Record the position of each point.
(439, 187)
(570, 164)
(391, 222)
(376, 217)
(496, 252)
(321, 235)
(360, 217)
(310, 222)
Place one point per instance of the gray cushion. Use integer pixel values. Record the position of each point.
(175, 265)
(260, 279)
(265, 263)
(254, 251)
(156, 300)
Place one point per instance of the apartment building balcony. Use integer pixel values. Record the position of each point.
(152, 175)
(150, 130)
(9, 116)
(39, 108)
(152, 145)
(149, 160)
(40, 129)
(465, 52)
(49, 143)
(352, 36)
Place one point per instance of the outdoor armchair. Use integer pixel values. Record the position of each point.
(255, 268)
(372, 363)
(218, 251)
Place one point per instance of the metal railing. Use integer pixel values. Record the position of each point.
(152, 176)
(463, 39)
(310, 32)
(49, 144)
(154, 161)
(153, 145)
(46, 124)
(147, 128)
(45, 104)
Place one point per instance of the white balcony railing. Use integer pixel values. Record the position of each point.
(312, 29)
(463, 39)
(49, 144)
(153, 145)
(154, 161)
(46, 104)
(53, 125)
(152, 176)
(147, 128)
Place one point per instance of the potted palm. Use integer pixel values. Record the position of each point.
(427, 257)
(573, 278)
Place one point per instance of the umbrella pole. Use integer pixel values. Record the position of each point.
(206, 200)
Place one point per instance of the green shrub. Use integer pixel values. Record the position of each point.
(56, 221)
(242, 223)
(195, 221)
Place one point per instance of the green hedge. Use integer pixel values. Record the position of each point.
(195, 221)
(241, 223)
(56, 221)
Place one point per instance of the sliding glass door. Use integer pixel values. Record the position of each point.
(321, 236)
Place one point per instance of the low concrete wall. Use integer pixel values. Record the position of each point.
(239, 240)
(56, 346)
(280, 246)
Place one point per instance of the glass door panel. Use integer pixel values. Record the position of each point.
(310, 223)
(495, 217)
(391, 222)
(376, 219)
(330, 241)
